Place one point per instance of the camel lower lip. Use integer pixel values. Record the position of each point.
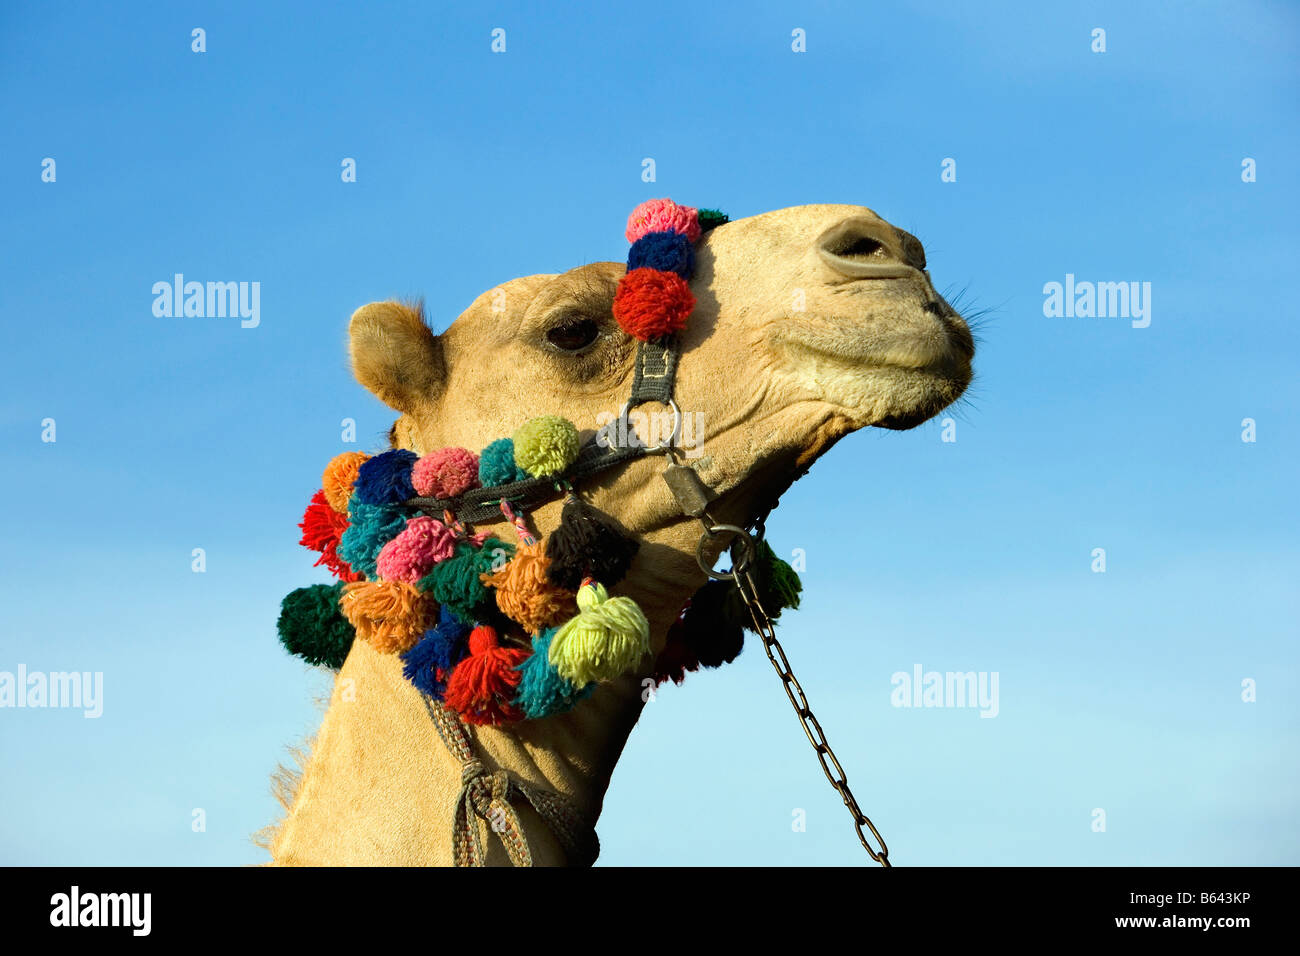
(904, 422)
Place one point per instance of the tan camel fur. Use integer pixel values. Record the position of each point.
(811, 322)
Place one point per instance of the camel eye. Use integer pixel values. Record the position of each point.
(573, 335)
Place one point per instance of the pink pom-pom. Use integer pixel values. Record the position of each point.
(423, 543)
(663, 215)
(445, 473)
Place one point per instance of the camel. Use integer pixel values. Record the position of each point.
(811, 322)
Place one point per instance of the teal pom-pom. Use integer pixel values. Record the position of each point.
(312, 627)
(542, 690)
(370, 528)
(456, 585)
(496, 465)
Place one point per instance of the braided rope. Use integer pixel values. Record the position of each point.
(521, 528)
(488, 795)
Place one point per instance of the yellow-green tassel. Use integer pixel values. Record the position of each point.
(608, 637)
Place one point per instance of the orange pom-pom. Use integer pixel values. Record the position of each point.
(339, 477)
(482, 685)
(391, 615)
(526, 595)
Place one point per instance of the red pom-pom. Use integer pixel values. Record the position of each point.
(322, 527)
(677, 657)
(651, 303)
(482, 685)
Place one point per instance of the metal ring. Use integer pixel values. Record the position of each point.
(663, 445)
(714, 531)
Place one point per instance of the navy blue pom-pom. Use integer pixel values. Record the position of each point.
(386, 479)
(665, 251)
(441, 649)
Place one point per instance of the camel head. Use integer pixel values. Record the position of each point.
(811, 322)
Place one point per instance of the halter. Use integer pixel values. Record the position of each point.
(391, 564)
(653, 380)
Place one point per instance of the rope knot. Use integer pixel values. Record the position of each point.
(471, 770)
(487, 795)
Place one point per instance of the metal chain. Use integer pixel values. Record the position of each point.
(793, 690)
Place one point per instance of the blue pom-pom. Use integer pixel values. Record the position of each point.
(386, 479)
(441, 648)
(496, 465)
(542, 691)
(370, 528)
(665, 251)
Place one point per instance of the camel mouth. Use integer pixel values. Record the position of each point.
(894, 372)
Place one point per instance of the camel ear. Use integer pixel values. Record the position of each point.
(396, 355)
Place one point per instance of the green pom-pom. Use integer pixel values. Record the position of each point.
(712, 218)
(312, 627)
(545, 445)
(776, 583)
(456, 585)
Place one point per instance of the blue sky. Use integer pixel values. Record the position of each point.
(1120, 691)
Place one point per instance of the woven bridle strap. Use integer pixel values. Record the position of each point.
(488, 795)
(653, 380)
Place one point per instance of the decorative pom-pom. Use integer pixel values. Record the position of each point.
(545, 445)
(386, 479)
(370, 528)
(587, 544)
(526, 595)
(429, 662)
(482, 686)
(457, 582)
(496, 466)
(445, 473)
(391, 615)
(322, 528)
(711, 626)
(777, 583)
(542, 690)
(412, 554)
(677, 657)
(606, 638)
(311, 626)
(662, 215)
(339, 478)
(665, 251)
(650, 303)
(712, 218)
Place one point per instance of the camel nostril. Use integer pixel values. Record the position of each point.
(862, 248)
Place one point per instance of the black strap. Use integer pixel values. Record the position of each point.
(481, 504)
(656, 372)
